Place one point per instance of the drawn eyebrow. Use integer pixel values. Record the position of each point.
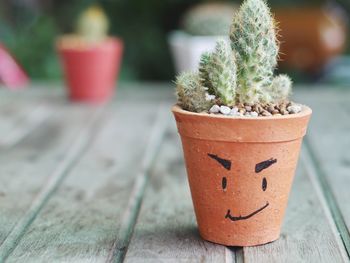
(264, 165)
(225, 163)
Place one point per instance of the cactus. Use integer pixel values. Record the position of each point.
(204, 69)
(92, 25)
(210, 19)
(242, 72)
(222, 73)
(253, 38)
(280, 89)
(217, 72)
(192, 96)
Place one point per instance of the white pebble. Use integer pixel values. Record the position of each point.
(209, 97)
(214, 109)
(247, 114)
(234, 111)
(225, 110)
(294, 109)
(254, 114)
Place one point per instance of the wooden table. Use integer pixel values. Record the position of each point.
(83, 183)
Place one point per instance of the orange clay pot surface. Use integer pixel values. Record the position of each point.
(310, 37)
(240, 172)
(91, 70)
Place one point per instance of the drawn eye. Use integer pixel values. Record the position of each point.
(264, 184)
(224, 183)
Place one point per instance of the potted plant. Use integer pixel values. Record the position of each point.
(241, 136)
(90, 59)
(202, 25)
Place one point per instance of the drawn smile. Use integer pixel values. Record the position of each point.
(237, 218)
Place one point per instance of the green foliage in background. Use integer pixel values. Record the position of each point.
(32, 45)
(29, 29)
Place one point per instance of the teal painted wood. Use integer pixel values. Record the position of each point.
(91, 215)
(166, 229)
(329, 143)
(81, 221)
(9, 114)
(22, 125)
(26, 169)
(19, 117)
(125, 231)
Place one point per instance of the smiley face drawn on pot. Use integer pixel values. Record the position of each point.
(259, 167)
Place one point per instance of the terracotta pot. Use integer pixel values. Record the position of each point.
(240, 172)
(310, 37)
(91, 70)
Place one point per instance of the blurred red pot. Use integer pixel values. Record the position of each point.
(91, 70)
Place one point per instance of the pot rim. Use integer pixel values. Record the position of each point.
(210, 127)
(59, 43)
(305, 112)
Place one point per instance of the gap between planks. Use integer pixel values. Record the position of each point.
(73, 154)
(129, 218)
(329, 203)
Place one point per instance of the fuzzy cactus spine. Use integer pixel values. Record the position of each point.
(93, 25)
(191, 94)
(280, 89)
(204, 70)
(242, 72)
(253, 38)
(222, 73)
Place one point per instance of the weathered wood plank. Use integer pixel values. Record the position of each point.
(128, 221)
(328, 142)
(27, 166)
(23, 110)
(19, 116)
(23, 123)
(82, 220)
(166, 229)
(146, 91)
(34, 91)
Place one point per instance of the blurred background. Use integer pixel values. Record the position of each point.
(316, 32)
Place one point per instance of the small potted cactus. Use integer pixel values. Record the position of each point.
(202, 26)
(241, 135)
(90, 59)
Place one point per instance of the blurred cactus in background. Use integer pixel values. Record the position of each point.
(91, 28)
(93, 25)
(210, 19)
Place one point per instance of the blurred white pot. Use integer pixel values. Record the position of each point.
(187, 49)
